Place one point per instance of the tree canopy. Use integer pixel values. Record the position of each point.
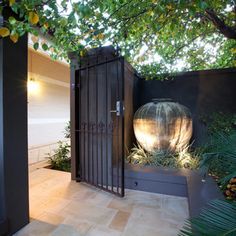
(156, 36)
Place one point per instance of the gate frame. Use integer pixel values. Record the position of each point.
(74, 86)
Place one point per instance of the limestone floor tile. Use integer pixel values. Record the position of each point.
(121, 204)
(59, 206)
(141, 230)
(84, 195)
(50, 218)
(36, 228)
(103, 231)
(144, 199)
(52, 204)
(176, 205)
(174, 218)
(65, 230)
(99, 198)
(82, 226)
(68, 190)
(38, 176)
(82, 210)
(149, 217)
(119, 221)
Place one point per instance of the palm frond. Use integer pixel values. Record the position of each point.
(220, 157)
(219, 219)
(225, 180)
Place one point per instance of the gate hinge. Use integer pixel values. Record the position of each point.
(74, 86)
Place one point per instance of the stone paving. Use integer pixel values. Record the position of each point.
(61, 207)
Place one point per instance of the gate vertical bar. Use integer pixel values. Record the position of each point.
(107, 126)
(88, 126)
(123, 127)
(78, 123)
(97, 128)
(117, 130)
(74, 159)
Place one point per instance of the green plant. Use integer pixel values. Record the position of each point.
(219, 158)
(173, 35)
(219, 219)
(220, 122)
(139, 156)
(229, 186)
(60, 160)
(67, 130)
(182, 159)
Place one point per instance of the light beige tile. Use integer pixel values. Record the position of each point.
(60, 206)
(82, 226)
(141, 230)
(95, 214)
(102, 231)
(176, 205)
(99, 198)
(119, 221)
(121, 204)
(50, 218)
(36, 228)
(65, 230)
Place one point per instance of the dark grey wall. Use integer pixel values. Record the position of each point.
(13, 135)
(203, 92)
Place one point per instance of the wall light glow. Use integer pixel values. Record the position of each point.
(33, 86)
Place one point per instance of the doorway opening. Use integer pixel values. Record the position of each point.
(48, 104)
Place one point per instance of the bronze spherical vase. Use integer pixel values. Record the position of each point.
(163, 125)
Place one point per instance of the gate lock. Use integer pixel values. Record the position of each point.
(119, 108)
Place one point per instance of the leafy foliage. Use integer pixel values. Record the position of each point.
(183, 159)
(219, 158)
(61, 160)
(139, 156)
(67, 130)
(220, 122)
(157, 36)
(219, 219)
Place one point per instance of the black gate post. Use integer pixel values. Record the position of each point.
(73, 66)
(14, 204)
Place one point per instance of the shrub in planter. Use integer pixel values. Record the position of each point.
(182, 159)
(219, 160)
(218, 219)
(61, 160)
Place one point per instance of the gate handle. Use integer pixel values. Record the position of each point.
(119, 108)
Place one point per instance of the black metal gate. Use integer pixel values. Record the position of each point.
(100, 123)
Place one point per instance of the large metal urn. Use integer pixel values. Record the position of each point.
(163, 125)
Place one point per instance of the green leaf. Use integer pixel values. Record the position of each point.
(45, 46)
(218, 219)
(12, 20)
(14, 8)
(36, 46)
(203, 5)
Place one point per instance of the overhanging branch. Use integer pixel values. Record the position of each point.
(227, 31)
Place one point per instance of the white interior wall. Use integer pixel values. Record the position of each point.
(48, 105)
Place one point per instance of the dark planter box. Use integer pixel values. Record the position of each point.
(177, 182)
(3, 227)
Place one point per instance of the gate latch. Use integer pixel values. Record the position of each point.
(119, 108)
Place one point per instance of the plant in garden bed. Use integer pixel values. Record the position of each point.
(182, 159)
(219, 160)
(67, 130)
(219, 122)
(60, 160)
(219, 219)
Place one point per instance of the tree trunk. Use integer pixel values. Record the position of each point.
(227, 31)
